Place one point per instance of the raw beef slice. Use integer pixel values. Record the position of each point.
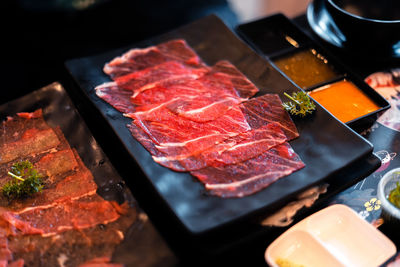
(181, 137)
(224, 74)
(188, 98)
(117, 97)
(266, 109)
(140, 80)
(244, 146)
(139, 59)
(250, 176)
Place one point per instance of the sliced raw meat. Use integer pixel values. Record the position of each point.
(169, 89)
(230, 151)
(188, 98)
(32, 141)
(31, 115)
(177, 136)
(138, 59)
(202, 99)
(250, 176)
(143, 138)
(222, 77)
(268, 108)
(141, 80)
(67, 217)
(14, 127)
(57, 162)
(224, 74)
(199, 119)
(100, 262)
(17, 263)
(5, 253)
(203, 108)
(72, 184)
(73, 214)
(115, 96)
(75, 185)
(244, 146)
(71, 247)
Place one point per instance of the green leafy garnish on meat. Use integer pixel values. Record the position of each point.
(26, 181)
(394, 196)
(300, 104)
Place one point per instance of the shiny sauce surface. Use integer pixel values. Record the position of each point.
(306, 68)
(344, 100)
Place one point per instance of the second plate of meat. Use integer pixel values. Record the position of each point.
(201, 114)
(76, 194)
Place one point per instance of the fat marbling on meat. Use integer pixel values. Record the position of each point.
(202, 119)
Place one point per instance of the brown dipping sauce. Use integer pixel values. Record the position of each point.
(306, 68)
(344, 100)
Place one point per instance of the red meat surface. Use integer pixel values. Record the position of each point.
(57, 162)
(224, 74)
(191, 117)
(244, 146)
(178, 136)
(100, 262)
(32, 141)
(266, 109)
(140, 80)
(200, 94)
(188, 98)
(117, 97)
(36, 229)
(67, 215)
(139, 59)
(250, 176)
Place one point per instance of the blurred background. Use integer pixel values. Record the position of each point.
(252, 9)
(39, 36)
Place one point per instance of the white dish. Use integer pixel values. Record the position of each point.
(334, 236)
(385, 186)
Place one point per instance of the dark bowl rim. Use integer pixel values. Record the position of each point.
(362, 18)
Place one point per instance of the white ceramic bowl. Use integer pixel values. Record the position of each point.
(385, 186)
(335, 236)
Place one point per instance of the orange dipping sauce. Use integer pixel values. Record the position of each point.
(344, 100)
(306, 68)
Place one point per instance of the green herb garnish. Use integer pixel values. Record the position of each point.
(300, 104)
(27, 181)
(394, 196)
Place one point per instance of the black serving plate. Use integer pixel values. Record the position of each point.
(58, 110)
(325, 145)
(264, 34)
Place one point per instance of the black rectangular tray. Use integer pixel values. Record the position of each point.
(325, 145)
(59, 110)
(268, 37)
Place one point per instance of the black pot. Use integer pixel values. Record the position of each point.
(370, 26)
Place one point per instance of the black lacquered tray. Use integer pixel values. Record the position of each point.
(58, 110)
(276, 36)
(325, 145)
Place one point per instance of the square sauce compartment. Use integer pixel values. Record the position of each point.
(278, 35)
(345, 100)
(306, 68)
